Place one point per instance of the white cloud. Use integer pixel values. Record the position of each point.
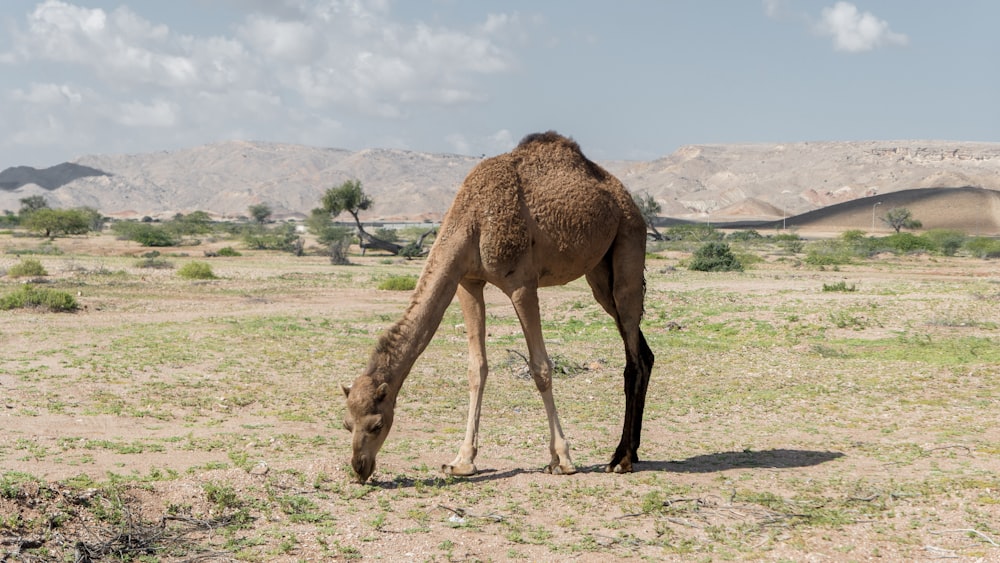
(773, 8)
(458, 143)
(502, 141)
(300, 67)
(158, 113)
(854, 31)
(293, 41)
(47, 95)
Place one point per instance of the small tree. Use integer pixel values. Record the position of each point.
(194, 223)
(650, 209)
(347, 197)
(31, 204)
(900, 218)
(351, 198)
(52, 222)
(260, 212)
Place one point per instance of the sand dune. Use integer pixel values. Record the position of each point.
(968, 209)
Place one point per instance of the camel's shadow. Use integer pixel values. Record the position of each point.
(724, 461)
(707, 463)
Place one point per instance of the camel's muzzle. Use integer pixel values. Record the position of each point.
(363, 468)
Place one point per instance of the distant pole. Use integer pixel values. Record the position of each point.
(878, 203)
(784, 207)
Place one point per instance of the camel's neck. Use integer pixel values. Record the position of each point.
(400, 346)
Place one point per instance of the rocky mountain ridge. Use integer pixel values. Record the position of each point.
(716, 182)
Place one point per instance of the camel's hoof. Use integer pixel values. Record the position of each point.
(624, 466)
(461, 470)
(556, 469)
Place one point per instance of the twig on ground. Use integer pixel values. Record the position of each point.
(986, 538)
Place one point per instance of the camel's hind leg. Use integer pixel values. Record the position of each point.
(618, 285)
(470, 296)
(525, 300)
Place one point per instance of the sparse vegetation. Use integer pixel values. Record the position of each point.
(196, 271)
(27, 268)
(787, 422)
(146, 234)
(983, 247)
(398, 283)
(715, 257)
(28, 296)
(840, 286)
(153, 260)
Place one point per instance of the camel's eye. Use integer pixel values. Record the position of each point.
(375, 426)
(348, 425)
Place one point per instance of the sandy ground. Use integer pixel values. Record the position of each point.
(698, 464)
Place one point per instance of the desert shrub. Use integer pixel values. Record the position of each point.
(786, 236)
(829, 253)
(744, 236)
(839, 286)
(27, 268)
(228, 251)
(152, 260)
(714, 257)
(696, 233)
(28, 296)
(906, 242)
(154, 263)
(946, 241)
(791, 242)
(398, 283)
(388, 235)
(44, 249)
(282, 237)
(983, 247)
(852, 236)
(196, 271)
(146, 233)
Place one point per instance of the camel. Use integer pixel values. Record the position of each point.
(540, 215)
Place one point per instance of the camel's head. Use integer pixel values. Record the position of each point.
(369, 417)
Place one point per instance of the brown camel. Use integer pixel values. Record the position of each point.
(540, 215)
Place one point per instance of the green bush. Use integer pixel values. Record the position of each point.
(146, 234)
(907, 242)
(29, 296)
(196, 271)
(715, 257)
(787, 237)
(839, 286)
(852, 235)
(747, 235)
(983, 247)
(398, 283)
(228, 251)
(829, 253)
(946, 241)
(693, 232)
(27, 268)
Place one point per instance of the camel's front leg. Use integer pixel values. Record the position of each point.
(470, 296)
(525, 302)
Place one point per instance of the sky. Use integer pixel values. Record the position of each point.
(629, 79)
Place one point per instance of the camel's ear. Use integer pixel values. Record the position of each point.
(347, 390)
(381, 392)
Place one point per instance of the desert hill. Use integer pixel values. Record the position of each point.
(975, 211)
(718, 183)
